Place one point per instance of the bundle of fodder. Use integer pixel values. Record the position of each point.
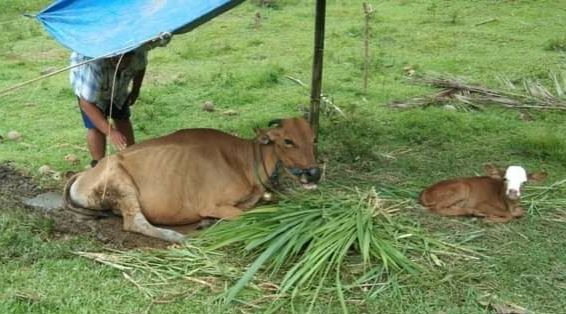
(313, 245)
(524, 94)
(547, 201)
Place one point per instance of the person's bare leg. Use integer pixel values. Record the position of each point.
(124, 126)
(96, 142)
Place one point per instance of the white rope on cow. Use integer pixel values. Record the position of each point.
(109, 124)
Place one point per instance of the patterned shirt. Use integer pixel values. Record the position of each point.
(93, 81)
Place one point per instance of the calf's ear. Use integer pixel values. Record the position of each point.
(492, 171)
(537, 176)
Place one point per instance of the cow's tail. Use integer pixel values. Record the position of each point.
(72, 206)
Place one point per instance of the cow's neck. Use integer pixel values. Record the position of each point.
(264, 164)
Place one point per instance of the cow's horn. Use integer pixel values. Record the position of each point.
(276, 122)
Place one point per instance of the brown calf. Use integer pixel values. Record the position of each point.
(495, 197)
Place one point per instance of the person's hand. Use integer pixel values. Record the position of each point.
(132, 97)
(118, 139)
(161, 41)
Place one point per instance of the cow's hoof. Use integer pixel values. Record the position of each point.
(173, 236)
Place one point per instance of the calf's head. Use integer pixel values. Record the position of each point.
(293, 141)
(513, 177)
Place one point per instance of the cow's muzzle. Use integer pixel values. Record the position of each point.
(308, 177)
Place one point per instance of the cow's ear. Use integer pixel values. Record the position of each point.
(262, 136)
(275, 123)
(537, 176)
(492, 171)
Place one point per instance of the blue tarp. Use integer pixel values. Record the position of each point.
(96, 28)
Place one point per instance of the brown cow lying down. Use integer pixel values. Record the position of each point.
(495, 197)
(192, 174)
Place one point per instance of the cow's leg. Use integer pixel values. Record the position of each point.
(220, 212)
(136, 222)
(223, 212)
(130, 207)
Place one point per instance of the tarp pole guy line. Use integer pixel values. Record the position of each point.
(11, 21)
(10, 89)
(28, 15)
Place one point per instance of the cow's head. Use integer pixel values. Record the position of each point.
(514, 178)
(293, 141)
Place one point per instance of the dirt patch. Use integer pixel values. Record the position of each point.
(16, 185)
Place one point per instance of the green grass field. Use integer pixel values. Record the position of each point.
(242, 66)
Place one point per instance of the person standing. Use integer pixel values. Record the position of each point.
(101, 97)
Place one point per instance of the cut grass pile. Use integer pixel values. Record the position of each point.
(331, 243)
(549, 197)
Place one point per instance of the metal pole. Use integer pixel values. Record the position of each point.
(316, 86)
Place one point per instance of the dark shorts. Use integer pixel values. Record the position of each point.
(117, 114)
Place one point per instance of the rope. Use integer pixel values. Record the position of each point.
(10, 21)
(109, 125)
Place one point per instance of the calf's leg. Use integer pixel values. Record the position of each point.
(497, 219)
(505, 216)
(452, 211)
(494, 213)
(491, 212)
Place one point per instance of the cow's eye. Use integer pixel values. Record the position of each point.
(289, 142)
